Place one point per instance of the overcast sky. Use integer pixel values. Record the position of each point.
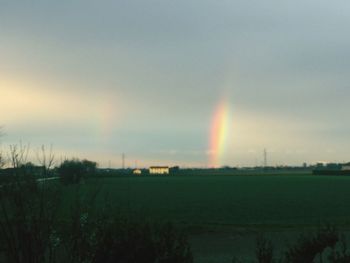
(98, 78)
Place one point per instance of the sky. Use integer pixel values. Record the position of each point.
(195, 83)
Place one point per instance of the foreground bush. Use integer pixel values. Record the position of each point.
(28, 216)
(33, 231)
(264, 250)
(326, 243)
(125, 241)
(72, 171)
(311, 245)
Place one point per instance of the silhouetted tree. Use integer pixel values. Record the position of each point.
(72, 171)
(46, 159)
(90, 167)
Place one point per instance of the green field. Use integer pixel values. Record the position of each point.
(232, 200)
(223, 213)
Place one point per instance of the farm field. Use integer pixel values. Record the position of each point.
(223, 213)
(262, 201)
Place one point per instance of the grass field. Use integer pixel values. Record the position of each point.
(222, 212)
(233, 200)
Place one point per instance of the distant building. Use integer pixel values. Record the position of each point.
(159, 170)
(137, 171)
(346, 167)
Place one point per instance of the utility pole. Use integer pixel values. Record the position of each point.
(265, 158)
(123, 161)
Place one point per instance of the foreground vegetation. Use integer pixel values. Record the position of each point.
(38, 226)
(86, 218)
(35, 226)
(33, 230)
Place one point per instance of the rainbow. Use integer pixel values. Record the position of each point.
(219, 132)
(105, 116)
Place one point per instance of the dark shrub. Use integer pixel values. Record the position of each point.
(72, 171)
(27, 220)
(340, 254)
(309, 246)
(264, 250)
(31, 232)
(118, 240)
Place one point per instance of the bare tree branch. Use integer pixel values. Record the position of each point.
(46, 159)
(18, 154)
(2, 156)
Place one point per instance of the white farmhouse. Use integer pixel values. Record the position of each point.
(159, 170)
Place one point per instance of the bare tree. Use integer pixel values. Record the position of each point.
(46, 159)
(2, 160)
(2, 156)
(18, 154)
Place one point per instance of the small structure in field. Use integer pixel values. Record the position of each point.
(159, 170)
(137, 172)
